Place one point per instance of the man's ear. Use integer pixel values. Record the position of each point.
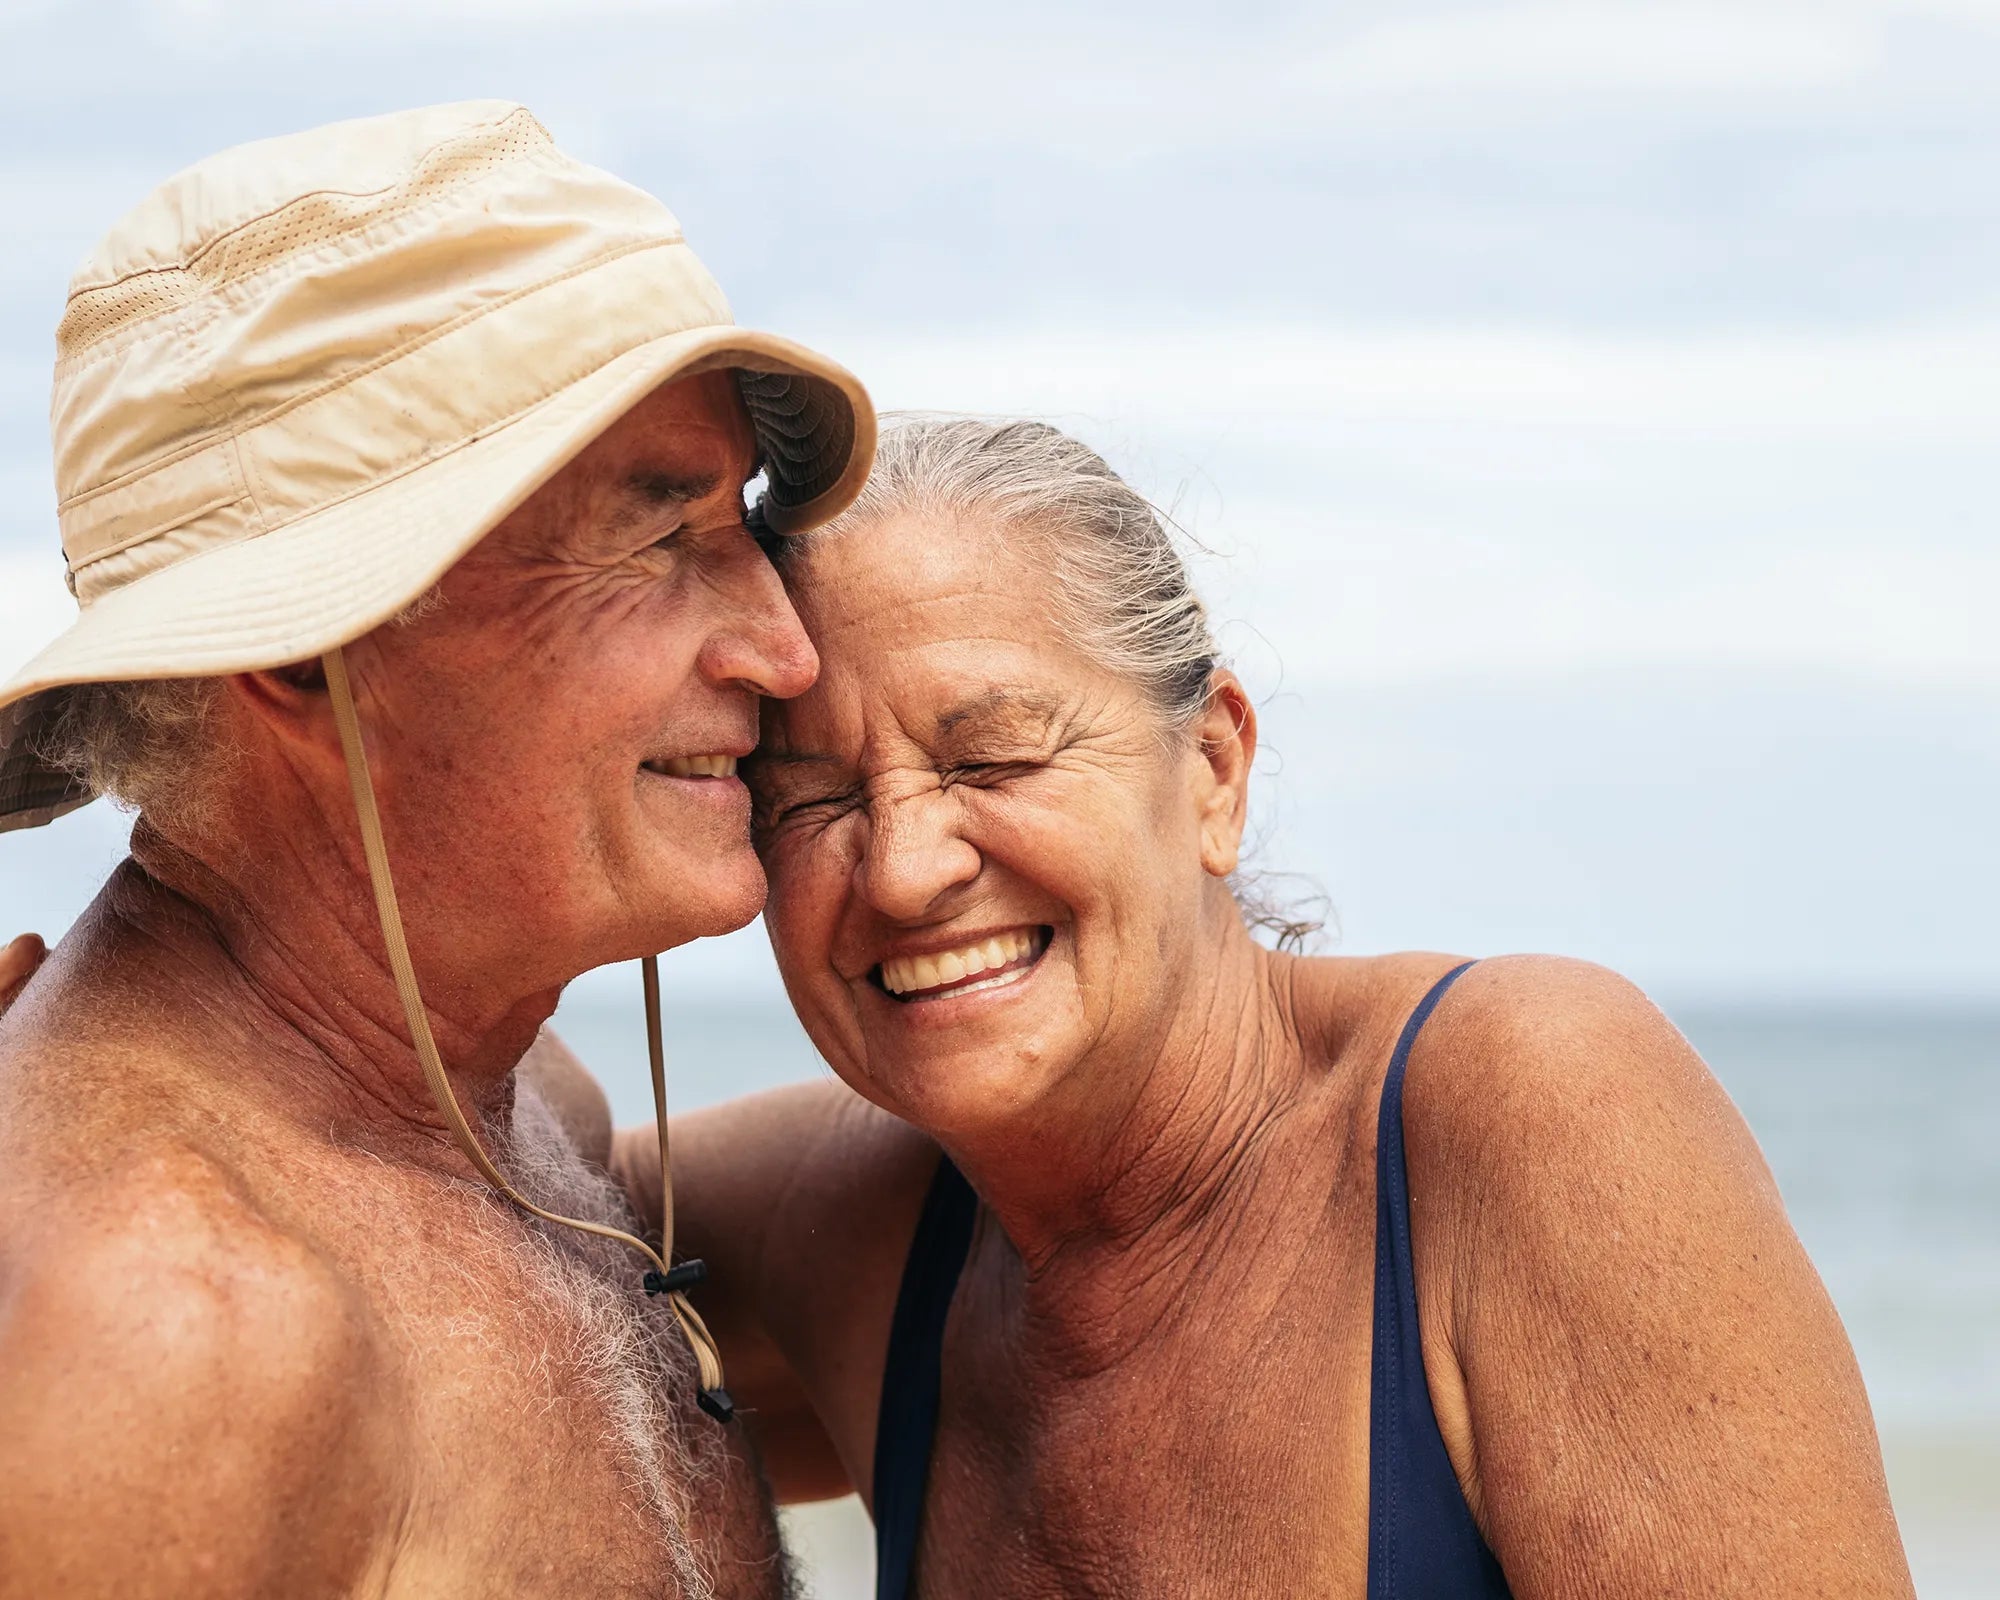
(289, 702)
(1226, 740)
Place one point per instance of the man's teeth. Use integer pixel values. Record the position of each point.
(909, 974)
(696, 766)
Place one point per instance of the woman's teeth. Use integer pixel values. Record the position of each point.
(695, 766)
(1005, 956)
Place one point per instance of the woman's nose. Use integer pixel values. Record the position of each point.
(759, 642)
(914, 856)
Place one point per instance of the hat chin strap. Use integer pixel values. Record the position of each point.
(662, 1278)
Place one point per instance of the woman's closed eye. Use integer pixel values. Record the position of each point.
(816, 808)
(985, 774)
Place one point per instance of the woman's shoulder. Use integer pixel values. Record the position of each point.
(1532, 1076)
(1502, 1024)
(1532, 1050)
(1621, 1331)
(1565, 1143)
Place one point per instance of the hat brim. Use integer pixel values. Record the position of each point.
(334, 575)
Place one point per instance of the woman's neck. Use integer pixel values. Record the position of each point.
(1111, 1203)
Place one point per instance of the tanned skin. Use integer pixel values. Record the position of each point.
(263, 1332)
(1156, 1368)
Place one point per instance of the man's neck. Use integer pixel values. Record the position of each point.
(288, 960)
(1108, 1203)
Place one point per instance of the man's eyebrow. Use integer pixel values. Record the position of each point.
(644, 495)
(988, 702)
(671, 488)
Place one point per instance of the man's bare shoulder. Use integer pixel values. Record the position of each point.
(175, 1365)
(170, 1247)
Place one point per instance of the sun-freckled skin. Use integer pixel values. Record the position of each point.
(1156, 1367)
(263, 1332)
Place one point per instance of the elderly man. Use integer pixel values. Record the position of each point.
(403, 474)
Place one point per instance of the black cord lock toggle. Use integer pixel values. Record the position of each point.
(716, 1403)
(675, 1280)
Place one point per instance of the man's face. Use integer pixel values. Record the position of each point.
(555, 744)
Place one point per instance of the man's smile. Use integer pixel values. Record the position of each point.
(719, 765)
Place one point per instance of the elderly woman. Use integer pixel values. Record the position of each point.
(1145, 1260)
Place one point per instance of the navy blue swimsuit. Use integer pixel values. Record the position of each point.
(1422, 1541)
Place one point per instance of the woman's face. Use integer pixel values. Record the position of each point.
(985, 861)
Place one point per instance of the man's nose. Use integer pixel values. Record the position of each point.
(759, 642)
(913, 855)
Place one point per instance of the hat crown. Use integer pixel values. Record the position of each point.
(285, 191)
(286, 322)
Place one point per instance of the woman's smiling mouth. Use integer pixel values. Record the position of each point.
(990, 962)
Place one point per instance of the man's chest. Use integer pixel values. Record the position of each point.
(551, 1441)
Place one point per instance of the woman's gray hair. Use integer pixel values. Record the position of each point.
(1120, 586)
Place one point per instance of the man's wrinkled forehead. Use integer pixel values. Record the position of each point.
(687, 442)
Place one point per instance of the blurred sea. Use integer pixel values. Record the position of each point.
(1882, 1123)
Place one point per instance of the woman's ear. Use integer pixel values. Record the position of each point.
(1226, 740)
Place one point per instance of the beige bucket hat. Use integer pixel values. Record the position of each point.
(304, 377)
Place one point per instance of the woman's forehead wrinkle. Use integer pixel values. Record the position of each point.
(1002, 703)
(871, 632)
(903, 569)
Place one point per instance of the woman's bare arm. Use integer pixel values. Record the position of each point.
(802, 1201)
(568, 1089)
(1642, 1382)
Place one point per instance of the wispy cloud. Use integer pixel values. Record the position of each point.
(1296, 380)
(1588, 53)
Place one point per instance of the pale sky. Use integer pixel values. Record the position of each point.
(1590, 408)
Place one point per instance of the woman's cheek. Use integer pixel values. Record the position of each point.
(787, 909)
(808, 889)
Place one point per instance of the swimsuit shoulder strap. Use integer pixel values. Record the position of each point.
(906, 1422)
(1422, 1540)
